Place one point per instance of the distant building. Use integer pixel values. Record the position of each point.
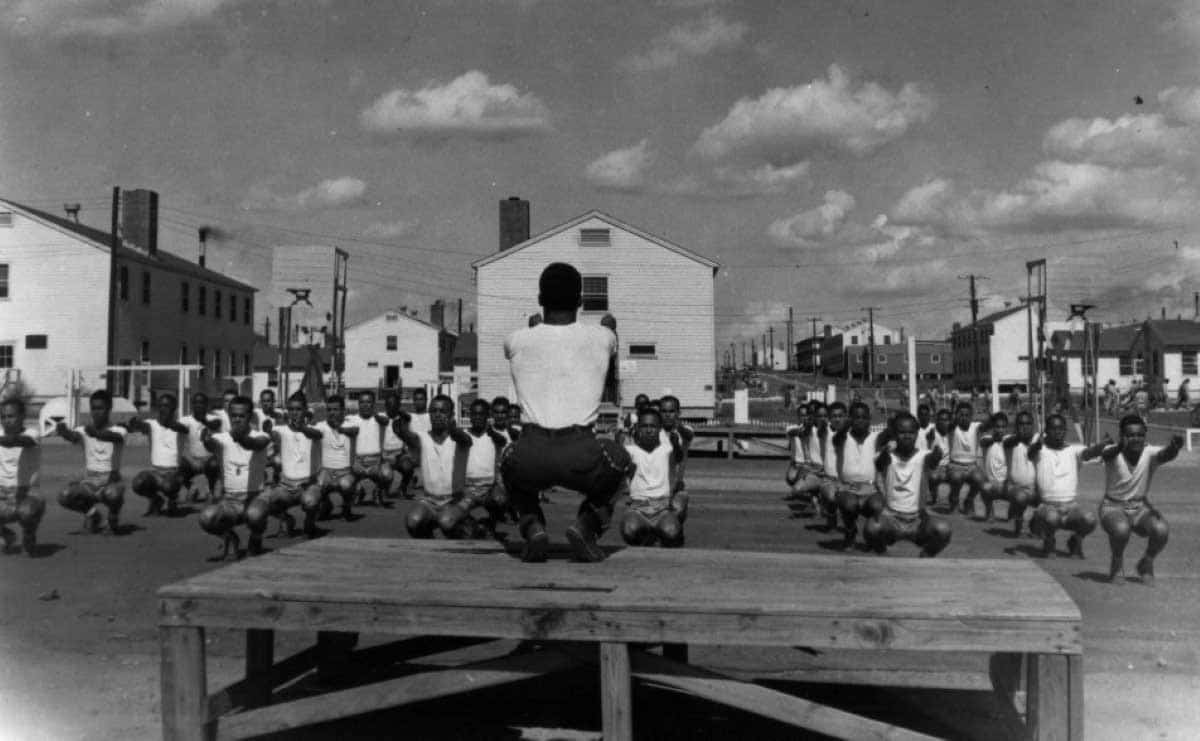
(1116, 359)
(302, 360)
(1003, 347)
(660, 293)
(391, 349)
(844, 352)
(54, 300)
(1168, 349)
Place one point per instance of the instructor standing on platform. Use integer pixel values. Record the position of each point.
(558, 369)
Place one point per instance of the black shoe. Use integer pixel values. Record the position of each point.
(1116, 570)
(537, 542)
(1048, 546)
(1075, 545)
(29, 542)
(583, 543)
(848, 538)
(254, 546)
(1145, 569)
(10, 540)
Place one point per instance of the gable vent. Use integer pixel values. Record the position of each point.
(594, 237)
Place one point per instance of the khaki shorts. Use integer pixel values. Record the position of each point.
(1137, 513)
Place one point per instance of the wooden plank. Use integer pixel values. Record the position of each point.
(766, 702)
(184, 690)
(880, 668)
(616, 692)
(587, 622)
(472, 575)
(235, 695)
(393, 693)
(260, 658)
(1055, 698)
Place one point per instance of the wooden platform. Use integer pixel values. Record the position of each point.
(340, 586)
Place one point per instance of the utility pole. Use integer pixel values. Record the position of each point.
(771, 355)
(976, 371)
(1037, 365)
(791, 340)
(815, 352)
(114, 244)
(870, 341)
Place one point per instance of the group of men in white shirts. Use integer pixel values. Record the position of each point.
(892, 477)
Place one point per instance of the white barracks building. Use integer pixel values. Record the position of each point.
(660, 293)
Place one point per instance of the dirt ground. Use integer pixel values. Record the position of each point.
(79, 646)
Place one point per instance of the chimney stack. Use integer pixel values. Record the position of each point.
(139, 220)
(203, 233)
(514, 222)
(72, 210)
(437, 314)
(1164, 312)
(828, 330)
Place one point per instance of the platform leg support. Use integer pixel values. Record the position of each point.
(616, 692)
(1055, 697)
(184, 685)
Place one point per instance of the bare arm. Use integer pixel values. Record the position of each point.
(19, 440)
(312, 433)
(138, 425)
(461, 436)
(106, 435)
(177, 426)
(1168, 453)
(253, 442)
(210, 443)
(497, 439)
(400, 425)
(1093, 451)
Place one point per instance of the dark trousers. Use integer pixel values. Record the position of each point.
(571, 457)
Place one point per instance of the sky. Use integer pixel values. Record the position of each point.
(830, 155)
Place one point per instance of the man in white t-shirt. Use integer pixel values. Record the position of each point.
(1056, 467)
(369, 467)
(1126, 510)
(243, 454)
(995, 463)
(296, 443)
(337, 462)
(1020, 487)
(966, 454)
(444, 451)
(857, 448)
(656, 512)
(20, 460)
(559, 368)
(266, 416)
(902, 474)
(103, 444)
(195, 459)
(394, 452)
(481, 489)
(160, 484)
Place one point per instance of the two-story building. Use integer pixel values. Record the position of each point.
(393, 348)
(1116, 361)
(1168, 349)
(660, 293)
(54, 304)
(995, 349)
(844, 352)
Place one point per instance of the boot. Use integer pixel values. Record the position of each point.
(583, 536)
(537, 542)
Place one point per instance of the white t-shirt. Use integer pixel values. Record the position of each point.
(437, 466)
(1125, 484)
(296, 453)
(481, 460)
(194, 445)
(995, 463)
(941, 442)
(558, 371)
(964, 444)
(102, 456)
(164, 445)
(812, 444)
(336, 448)
(370, 434)
(857, 461)
(242, 469)
(223, 416)
(923, 436)
(799, 454)
(1058, 473)
(830, 457)
(651, 480)
(392, 443)
(260, 417)
(420, 422)
(18, 465)
(903, 481)
(1021, 470)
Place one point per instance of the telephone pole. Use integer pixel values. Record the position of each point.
(791, 347)
(816, 353)
(771, 355)
(976, 371)
(870, 341)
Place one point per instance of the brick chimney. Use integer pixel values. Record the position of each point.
(514, 222)
(828, 330)
(139, 220)
(437, 314)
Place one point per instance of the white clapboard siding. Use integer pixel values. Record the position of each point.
(366, 343)
(658, 295)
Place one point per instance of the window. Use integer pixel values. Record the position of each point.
(935, 358)
(373, 364)
(232, 363)
(246, 369)
(183, 353)
(4, 281)
(594, 237)
(6, 220)
(232, 308)
(217, 304)
(887, 339)
(216, 363)
(35, 342)
(200, 360)
(145, 286)
(185, 296)
(6, 356)
(595, 293)
(1139, 365)
(882, 359)
(1189, 363)
(1125, 364)
(247, 311)
(854, 340)
(144, 357)
(642, 351)
(201, 301)
(407, 363)
(123, 283)
(391, 342)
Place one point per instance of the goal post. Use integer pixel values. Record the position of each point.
(136, 386)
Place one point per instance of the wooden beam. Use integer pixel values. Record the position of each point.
(407, 649)
(235, 695)
(184, 685)
(1055, 698)
(260, 659)
(392, 693)
(616, 692)
(766, 702)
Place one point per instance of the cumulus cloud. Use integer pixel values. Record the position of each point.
(621, 169)
(325, 194)
(1181, 104)
(816, 225)
(469, 105)
(729, 181)
(103, 18)
(1129, 140)
(788, 124)
(395, 229)
(696, 38)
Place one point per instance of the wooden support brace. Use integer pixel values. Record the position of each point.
(766, 702)
(237, 694)
(260, 659)
(616, 692)
(392, 693)
(184, 685)
(1055, 697)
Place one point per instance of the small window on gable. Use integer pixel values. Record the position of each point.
(35, 342)
(644, 350)
(853, 340)
(407, 363)
(6, 219)
(887, 339)
(391, 342)
(594, 237)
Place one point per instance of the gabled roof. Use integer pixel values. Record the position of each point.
(103, 240)
(1175, 332)
(1113, 340)
(594, 214)
(402, 314)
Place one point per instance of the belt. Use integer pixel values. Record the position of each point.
(556, 432)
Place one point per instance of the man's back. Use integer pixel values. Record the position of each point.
(558, 371)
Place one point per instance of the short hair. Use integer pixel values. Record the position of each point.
(963, 405)
(238, 399)
(102, 396)
(364, 394)
(200, 395)
(174, 401)
(641, 397)
(860, 405)
(1130, 419)
(1024, 415)
(903, 416)
(650, 412)
(815, 406)
(229, 390)
(924, 408)
(300, 397)
(14, 401)
(481, 404)
(420, 390)
(560, 286)
(944, 411)
(837, 405)
(335, 399)
(266, 392)
(442, 397)
(1053, 417)
(500, 401)
(999, 417)
(670, 398)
